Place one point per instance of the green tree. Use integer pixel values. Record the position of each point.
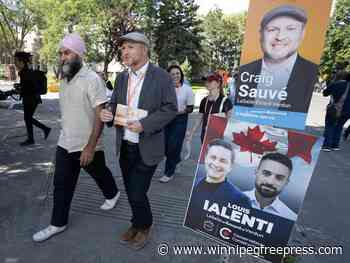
(116, 18)
(100, 23)
(223, 39)
(16, 24)
(147, 10)
(177, 33)
(60, 17)
(187, 69)
(337, 49)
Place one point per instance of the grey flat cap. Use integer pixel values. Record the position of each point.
(136, 37)
(284, 10)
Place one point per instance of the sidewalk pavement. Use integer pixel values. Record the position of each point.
(6, 85)
(92, 236)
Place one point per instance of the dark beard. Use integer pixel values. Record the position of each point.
(74, 66)
(267, 194)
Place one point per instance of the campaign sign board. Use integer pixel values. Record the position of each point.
(250, 183)
(283, 44)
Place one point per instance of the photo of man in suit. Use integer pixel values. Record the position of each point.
(282, 79)
(140, 144)
(215, 187)
(272, 176)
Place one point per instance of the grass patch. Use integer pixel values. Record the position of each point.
(197, 87)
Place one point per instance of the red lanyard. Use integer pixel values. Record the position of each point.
(133, 88)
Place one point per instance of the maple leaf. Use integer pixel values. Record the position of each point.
(300, 144)
(252, 142)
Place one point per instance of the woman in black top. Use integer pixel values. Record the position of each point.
(214, 103)
(30, 99)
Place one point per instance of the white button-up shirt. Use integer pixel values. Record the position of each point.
(135, 82)
(185, 97)
(277, 207)
(78, 99)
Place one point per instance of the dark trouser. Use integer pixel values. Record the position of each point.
(175, 133)
(29, 107)
(137, 179)
(67, 171)
(347, 132)
(332, 131)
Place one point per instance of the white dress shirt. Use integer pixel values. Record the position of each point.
(185, 97)
(277, 207)
(136, 77)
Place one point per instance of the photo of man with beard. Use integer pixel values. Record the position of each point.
(272, 176)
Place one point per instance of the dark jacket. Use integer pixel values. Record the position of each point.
(158, 97)
(336, 90)
(27, 85)
(299, 88)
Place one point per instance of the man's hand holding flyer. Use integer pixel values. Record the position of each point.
(124, 114)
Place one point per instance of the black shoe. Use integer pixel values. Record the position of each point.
(345, 136)
(27, 142)
(47, 132)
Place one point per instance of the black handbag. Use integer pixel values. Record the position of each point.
(334, 110)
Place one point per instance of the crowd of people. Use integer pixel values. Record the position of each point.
(166, 100)
(164, 95)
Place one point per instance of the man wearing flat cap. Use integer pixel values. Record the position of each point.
(281, 72)
(140, 143)
(82, 96)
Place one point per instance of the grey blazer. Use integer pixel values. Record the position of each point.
(158, 97)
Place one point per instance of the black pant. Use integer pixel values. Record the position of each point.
(175, 133)
(29, 107)
(333, 130)
(67, 171)
(137, 179)
(347, 132)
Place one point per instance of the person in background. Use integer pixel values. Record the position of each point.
(340, 95)
(214, 103)
(175, 131)
(232, 85)
(30, 98)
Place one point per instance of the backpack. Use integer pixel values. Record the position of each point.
(40, 82)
